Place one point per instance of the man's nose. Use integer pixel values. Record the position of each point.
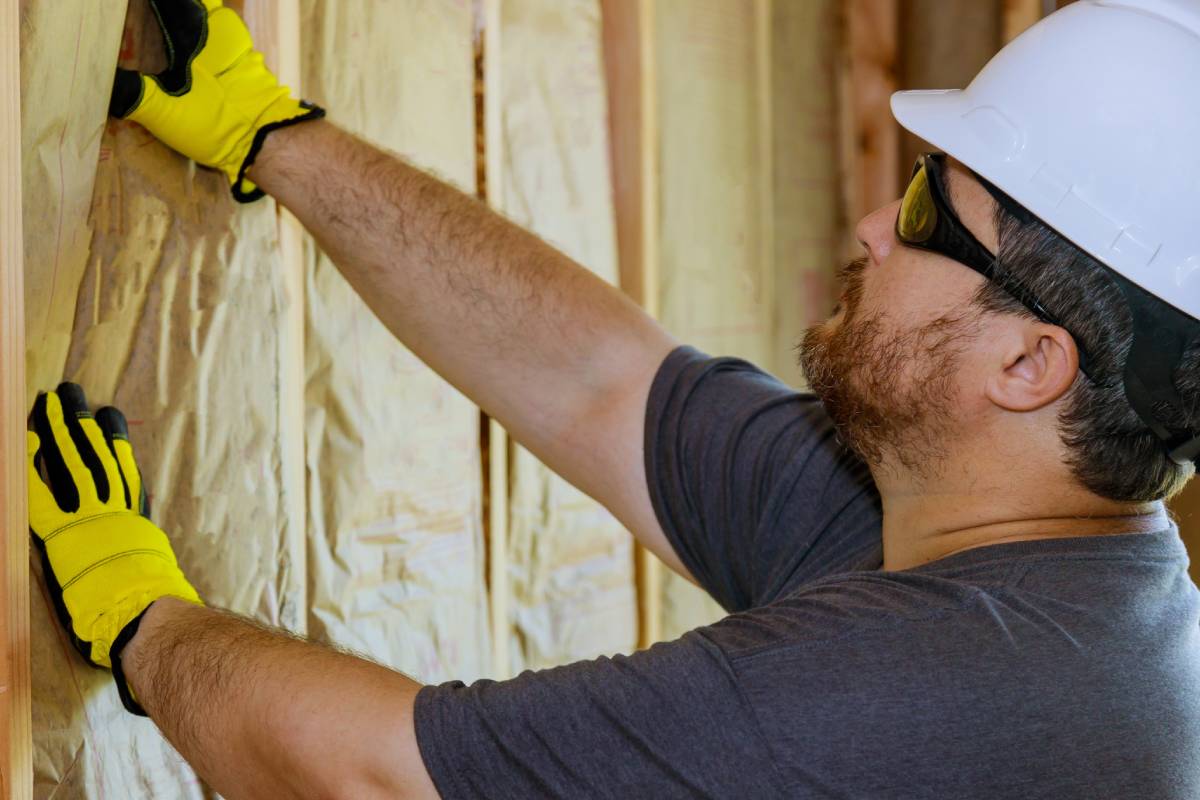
(876, 232)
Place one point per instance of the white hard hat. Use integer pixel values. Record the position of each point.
(1091, 120)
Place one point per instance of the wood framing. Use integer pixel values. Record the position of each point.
(629, 65)
(763, 67)
(492, 190)
(870, 142)
(1017, 15)
(16, 734)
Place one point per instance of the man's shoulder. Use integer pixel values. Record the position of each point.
(863, 605)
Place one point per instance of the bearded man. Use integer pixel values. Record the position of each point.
(948, 571)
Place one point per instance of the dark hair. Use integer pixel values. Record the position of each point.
(1110, 450)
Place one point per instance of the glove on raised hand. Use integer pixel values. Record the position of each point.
(216, 101)
(105, 561)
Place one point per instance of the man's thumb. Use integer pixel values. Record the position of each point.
(128, 92)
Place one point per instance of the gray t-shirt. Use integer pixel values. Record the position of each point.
(1065, 668)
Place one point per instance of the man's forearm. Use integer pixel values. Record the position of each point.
(536, 340)
(259, 713)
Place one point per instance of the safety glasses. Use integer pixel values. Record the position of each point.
(927, 221)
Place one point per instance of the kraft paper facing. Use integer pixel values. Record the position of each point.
(570, 562)
(176, 319)
(396, 553)
(146, 283)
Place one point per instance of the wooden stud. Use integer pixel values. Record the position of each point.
(16, 733)
(498, 446)
(763, 66)
(943, 46)
(1017, 15)
(870, 141)
(629, 57)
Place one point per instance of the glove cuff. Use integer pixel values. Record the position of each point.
(244, 191)
(118, 646)
(118, 670)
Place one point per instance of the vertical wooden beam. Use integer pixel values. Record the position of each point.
(16, 735)
(275, 27)
(763, 67)
(1017, 15)
(870, 136)
(492, 190)
(943, 46)
(629, 58)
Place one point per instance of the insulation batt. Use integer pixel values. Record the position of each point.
(153, 289)
(396, 552)
(570, 562)
(174, 314)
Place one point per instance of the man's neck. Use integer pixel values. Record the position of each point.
(929, 520)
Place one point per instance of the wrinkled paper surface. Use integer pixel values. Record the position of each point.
(570, 562)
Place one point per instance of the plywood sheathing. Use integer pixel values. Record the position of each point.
(396, 552)
(570, 563)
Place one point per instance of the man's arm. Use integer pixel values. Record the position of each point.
(258, 713)
(561, 358)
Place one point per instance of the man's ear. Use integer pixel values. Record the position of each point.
(1038, 368)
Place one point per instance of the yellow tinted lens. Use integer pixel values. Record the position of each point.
(918, 214)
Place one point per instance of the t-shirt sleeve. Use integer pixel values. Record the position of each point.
(750, 483)
(665, 722)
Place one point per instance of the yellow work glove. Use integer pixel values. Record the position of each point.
(105, 561)
(216, 101)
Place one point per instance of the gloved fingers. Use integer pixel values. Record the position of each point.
(184, 25)
(109, 485)
(88, 440)
(116, 434)
(72, 466)
(227, 43)
(62, 483)
(128, 91)
(43, 508)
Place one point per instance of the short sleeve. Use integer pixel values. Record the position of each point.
(750, 483)
(668, 722)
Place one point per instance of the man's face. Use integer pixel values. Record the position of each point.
(889, 365)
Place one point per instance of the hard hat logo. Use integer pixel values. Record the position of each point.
(1090, 121)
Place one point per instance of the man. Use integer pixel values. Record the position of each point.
(982, 596)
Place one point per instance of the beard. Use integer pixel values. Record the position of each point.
(889, 394)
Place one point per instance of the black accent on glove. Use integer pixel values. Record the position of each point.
(184, 26)
(314, 112)
(113, 425)
(118, 669)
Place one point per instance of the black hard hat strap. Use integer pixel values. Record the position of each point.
(1161, 336)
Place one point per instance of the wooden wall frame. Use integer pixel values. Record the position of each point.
(870, 137)
(491, 191)
(1017, 15)
(629, 65)
(16, 732)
